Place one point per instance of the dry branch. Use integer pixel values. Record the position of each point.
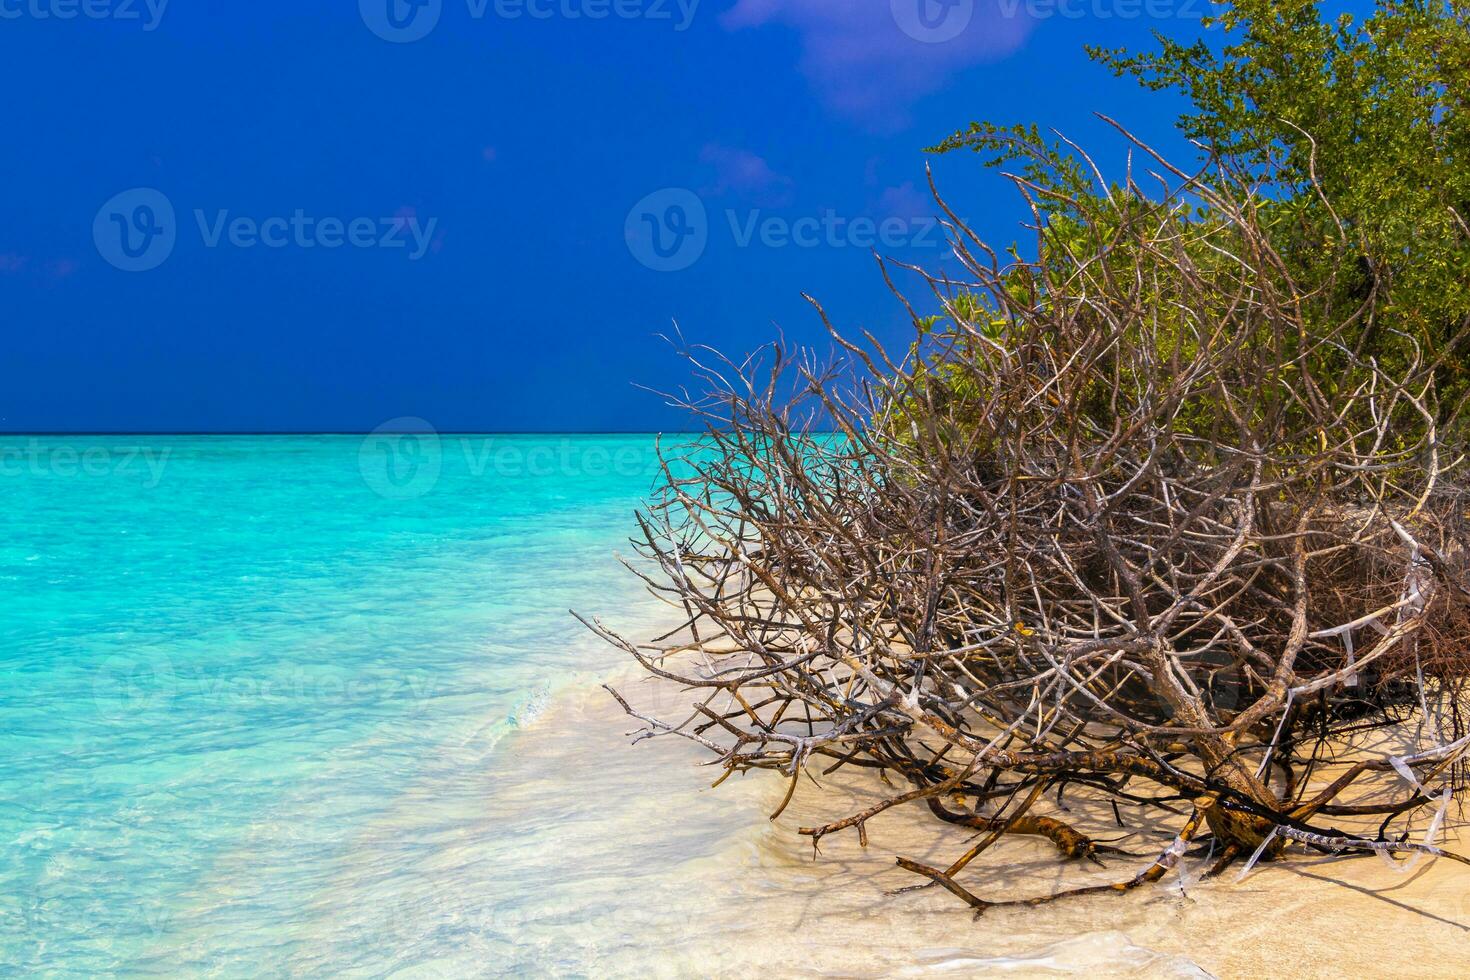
(1141, 521)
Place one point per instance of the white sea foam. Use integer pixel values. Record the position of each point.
(530, 707)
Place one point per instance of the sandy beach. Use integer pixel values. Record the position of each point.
(656, 874)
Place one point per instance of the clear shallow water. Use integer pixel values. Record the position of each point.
(224, 658)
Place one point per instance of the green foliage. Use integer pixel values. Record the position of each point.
(1376, 111)
(1045, 164)
(1358, 133)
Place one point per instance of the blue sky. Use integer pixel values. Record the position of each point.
(448, 227)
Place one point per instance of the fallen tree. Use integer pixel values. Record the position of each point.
(1140, 516)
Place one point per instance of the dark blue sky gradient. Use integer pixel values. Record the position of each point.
(527, 142)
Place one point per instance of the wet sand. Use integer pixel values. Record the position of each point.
(650, 872)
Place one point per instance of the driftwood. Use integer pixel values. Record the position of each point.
(1143, 516)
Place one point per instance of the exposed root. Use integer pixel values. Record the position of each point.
(1161, 866)
(1070, 842)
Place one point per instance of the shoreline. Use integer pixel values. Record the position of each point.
(561, 849)
(759, 882)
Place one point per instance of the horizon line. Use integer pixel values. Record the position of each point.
(347, 432)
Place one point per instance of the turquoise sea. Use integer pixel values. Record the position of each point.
(227, 661)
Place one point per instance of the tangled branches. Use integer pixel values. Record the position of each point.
(1140, 516)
